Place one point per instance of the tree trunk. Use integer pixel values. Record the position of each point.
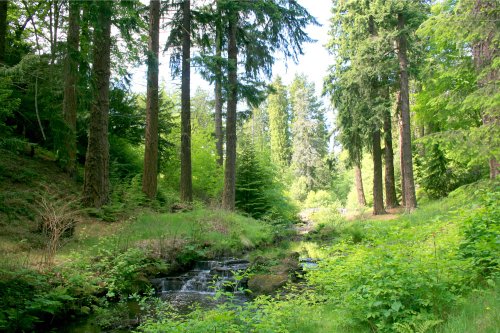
(70, 85)
(484, 52)
(96, 179)
(228, 196)
(186, 192)
(378, 190)
(409, 183)
(400, 144)
(219, 135)
(359, 184)
(391, 200)
(3, 29)
(150, 175)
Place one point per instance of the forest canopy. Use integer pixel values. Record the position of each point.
(140, 140)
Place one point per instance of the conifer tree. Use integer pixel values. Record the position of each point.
(186, 190)
(277, 107)
(96, 179)
(4, 5)
(150, 174)
(251, 182)
(68, 153)
(356, 85)
(264, 29)
(390, 182)
(308, 143)
(404, 90)
(228, 195)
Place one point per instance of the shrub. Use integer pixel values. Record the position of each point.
(29, 298)
(58, 219)
(482, 237)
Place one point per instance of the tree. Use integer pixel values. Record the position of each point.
(219, 102)
(308, 143)
(68, 154)
(252, 182)
(277, 107)
(406, 155)
(378, 191)
(358, 84)
(186, 192)
(228, 195)
(150, 175)
(456, 92)
(96, 177)
(391, 200)
(267, 28)
(4, 5)
(485, 51)
(358, 179)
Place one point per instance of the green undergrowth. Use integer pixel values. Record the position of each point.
(209, 233)
(410, 274)
(24, 180)
(477, 313)
(93, 274)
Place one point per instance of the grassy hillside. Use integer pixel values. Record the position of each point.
(101, 263)
(419, 272)
(24, 181)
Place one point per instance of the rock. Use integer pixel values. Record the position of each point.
(180, 208)
(266, 283)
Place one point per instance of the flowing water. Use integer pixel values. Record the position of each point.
(200, 285)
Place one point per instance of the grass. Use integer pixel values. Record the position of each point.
(210, 232)
(406, 274)
(479, 313)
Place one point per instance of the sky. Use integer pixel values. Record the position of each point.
(314, 62)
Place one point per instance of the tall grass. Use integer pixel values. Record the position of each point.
(217, 231)
(479, 313)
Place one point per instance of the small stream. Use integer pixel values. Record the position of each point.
(197, 286)
(200, 284)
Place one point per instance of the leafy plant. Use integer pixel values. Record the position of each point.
(482, 237)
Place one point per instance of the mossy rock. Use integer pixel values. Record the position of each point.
(261, 284)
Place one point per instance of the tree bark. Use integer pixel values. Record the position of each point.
(391, 200)
(228, 196)
(359, 184)
(409, 183)
(186, 191)
(484, 51)
(150, 175)
(3, 29)
(400, 144)
(70, 85)
(219, 135)
(96, 178)
(378, 190)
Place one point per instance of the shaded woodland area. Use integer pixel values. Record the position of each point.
(385, 181)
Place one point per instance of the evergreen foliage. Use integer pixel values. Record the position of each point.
(71, 96)
(437, 178)
(279, 119)
(309, 144)
(251, 183)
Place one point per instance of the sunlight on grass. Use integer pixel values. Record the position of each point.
(217, 230)
(479, 313)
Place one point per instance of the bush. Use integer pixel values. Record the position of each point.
(29, 298)
(318, 199)
(482, 237)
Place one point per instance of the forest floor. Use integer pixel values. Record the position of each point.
(104, 261)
